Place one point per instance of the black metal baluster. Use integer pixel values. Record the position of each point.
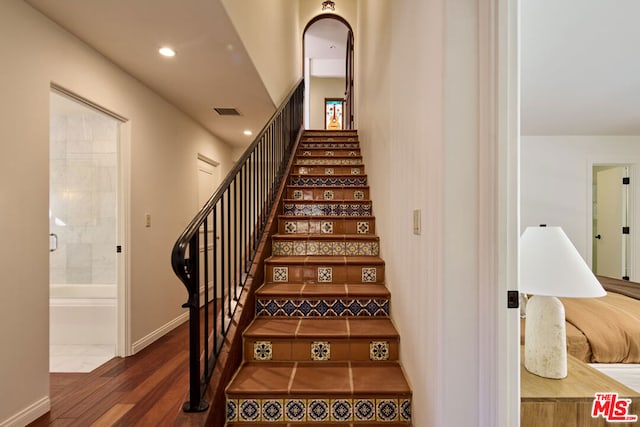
(258, 175)
(206, 293)
(195, 403)
(262, 181)
(235, 239)
(255, 203)
(222, 259)
(214, 251)
(229, 284)
(245, 219)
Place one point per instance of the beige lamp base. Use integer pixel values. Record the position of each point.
(545, 348)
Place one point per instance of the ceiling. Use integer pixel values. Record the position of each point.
(325, 44)
(580, 68)
(211, 67)
(580, 71)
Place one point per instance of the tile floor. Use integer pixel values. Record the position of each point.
(78, 358)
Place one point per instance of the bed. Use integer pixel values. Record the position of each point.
(607, 329)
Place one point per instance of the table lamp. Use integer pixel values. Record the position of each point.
(550, 267)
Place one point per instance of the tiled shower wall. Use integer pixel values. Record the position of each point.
(83, 184)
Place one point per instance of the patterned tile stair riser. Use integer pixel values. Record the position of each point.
(317, 181)
(315, 148)
(322, 348)
(346, 225)
(331, 161)
(324, 136)
(343, 350)
(338, 339)
(328, 193)
(322, 308)
(320, 410)
(325, 248)
(327, 273)
(331, 209)
(328, 170)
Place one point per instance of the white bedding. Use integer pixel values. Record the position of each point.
(625, 373)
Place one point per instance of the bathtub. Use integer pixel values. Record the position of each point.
(82, 314)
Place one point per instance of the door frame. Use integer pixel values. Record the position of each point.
(347, 110)
(123, 259)
(634, 221)
(349, 67)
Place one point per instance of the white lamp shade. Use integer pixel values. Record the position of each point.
(550, 265)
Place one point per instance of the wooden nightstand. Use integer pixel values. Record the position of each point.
(568, 402)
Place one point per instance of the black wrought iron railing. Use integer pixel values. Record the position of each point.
(213, 255)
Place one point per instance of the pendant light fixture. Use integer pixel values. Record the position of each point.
(328, 5)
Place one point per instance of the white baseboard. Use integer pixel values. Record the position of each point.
(158, 333)
(28, 414)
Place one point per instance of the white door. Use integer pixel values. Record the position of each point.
(610, 211)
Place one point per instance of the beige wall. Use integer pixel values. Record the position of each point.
(401, 131)
(348, 9)
(557, 189)
(418, 85)
(321, 88)
(163, 148)
(270, 33)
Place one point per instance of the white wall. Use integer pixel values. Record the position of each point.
(400, 88)
(163, 148)
(556, 182)
(321, 88)
(419, 121)
(270, 33)
(328, 67)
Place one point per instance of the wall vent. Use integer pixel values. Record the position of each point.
(226, 111)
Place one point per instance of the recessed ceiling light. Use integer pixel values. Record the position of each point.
(167, 51)
(248, 132)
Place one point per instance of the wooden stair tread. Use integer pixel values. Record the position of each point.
(322, 175)
(319, 153)
(320, 189)
(325, 201)
(324, 260)
(289, 290)
(325, 236)
(333, 379)
(321, 328)
(326, 217)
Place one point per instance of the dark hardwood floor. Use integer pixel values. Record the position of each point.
(147, 389)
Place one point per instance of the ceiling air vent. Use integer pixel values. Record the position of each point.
(226, 111)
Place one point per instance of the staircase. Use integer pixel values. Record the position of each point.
(322, 348)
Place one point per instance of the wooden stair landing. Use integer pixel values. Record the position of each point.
(322, 348)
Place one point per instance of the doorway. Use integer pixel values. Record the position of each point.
(611, 251)
(84, 227)
(328, 69)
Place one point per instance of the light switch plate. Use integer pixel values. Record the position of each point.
(417, 226)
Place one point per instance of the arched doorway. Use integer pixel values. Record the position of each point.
(328, 73)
